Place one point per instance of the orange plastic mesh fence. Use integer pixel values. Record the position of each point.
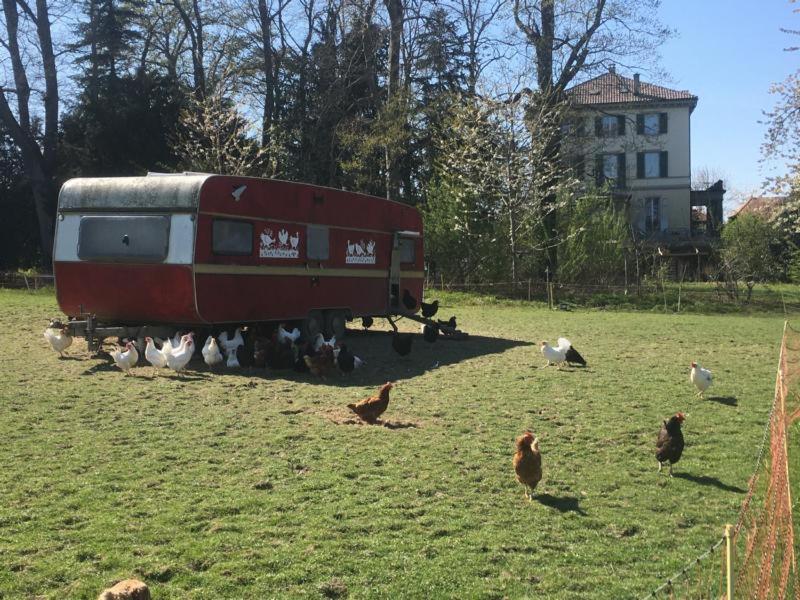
(764, 562)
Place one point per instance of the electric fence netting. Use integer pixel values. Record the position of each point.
(756, 556)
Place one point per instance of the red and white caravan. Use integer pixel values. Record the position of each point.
(201, 250)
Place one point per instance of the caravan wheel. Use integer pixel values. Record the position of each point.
(335, 324)
(313, 325)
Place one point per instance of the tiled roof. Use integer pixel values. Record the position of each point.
(766, 206)
(611, 88)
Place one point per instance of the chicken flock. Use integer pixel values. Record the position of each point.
(282, 349)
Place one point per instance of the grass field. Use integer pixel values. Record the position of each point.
(256, 485)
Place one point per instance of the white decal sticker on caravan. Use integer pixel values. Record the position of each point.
(285, 246)
(360, 253)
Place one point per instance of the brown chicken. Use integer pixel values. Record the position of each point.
(321, 364)
(369, 409)
(669, 445)
(528, 463)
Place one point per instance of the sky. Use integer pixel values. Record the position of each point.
(729, 52)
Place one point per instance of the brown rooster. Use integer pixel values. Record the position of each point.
(369, 409)
(322, 363)
(528, 463)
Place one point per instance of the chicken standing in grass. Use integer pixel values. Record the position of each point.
(322, 362)
(669, 445)
(369, 409)
(154, 356)
(125, 359)
(561, 353)
(401, 343)
(211, 352)
(701, 378)
(57, 335)
(528, 463)
(181, 356)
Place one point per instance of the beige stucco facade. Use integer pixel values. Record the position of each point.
(672, 190)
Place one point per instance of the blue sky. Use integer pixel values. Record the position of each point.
(729, 52)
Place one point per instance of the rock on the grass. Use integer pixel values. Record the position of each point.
(127, 589)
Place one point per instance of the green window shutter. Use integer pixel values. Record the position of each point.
(621, 170)
(662, 123)
(598, 170)
(580, 129)
(640, 124)
(598, 127)
(640, 165)
(664, 172)
(620, 124)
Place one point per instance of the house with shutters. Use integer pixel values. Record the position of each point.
(635, 137)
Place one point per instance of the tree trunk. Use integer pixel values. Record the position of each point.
(39, 161)
(265, 21)
(395, 8)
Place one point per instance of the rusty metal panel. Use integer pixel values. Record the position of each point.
(153, 193)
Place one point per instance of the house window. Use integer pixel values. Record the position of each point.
(610, 125)
(652, 214)
(651, 165)
(231, 238)
(651, 124)
(317, 247)
(610, 166)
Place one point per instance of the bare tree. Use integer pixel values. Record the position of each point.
(37, 141)
(214, 138)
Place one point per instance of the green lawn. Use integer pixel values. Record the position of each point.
(255, 484)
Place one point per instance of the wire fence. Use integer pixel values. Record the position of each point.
(668, 296)
(16, 280)
(758, 558)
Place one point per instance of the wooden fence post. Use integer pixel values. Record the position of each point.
(729, 562)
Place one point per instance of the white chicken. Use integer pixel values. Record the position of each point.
(284, 336)
(180, 357)
(232, 361)
(229, 345)
(319, 342)
(126, 359)
(557, 355)
(211, 354)
(701, 378)
(153, 355)
(58, 338)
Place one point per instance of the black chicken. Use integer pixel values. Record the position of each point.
(409, 301)
(401, 343)
(346, 360)
(451, 322)
(669, 445)
(574, 357)
(430, 333)
(429, 309)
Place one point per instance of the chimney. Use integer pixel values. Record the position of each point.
(637, 88)
(612, 69)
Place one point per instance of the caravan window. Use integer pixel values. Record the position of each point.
(317, 247)
(124, 238)
(232, 238)
(407, 250)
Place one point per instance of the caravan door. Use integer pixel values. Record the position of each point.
(404, 245)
